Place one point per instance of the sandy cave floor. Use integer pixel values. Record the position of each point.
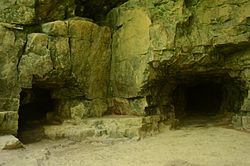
(192, 146)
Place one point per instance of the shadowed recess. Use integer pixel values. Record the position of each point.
(35, 103)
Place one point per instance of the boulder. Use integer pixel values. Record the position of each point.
(9, 142)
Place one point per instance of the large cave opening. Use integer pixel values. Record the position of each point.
(35, 105)
(207, 100)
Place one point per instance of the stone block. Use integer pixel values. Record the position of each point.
(130, 46)
(81, 29)
(121, 106)
(11, 44)
(36, 59)
(237, 121)
(37, 43)
(56, 28)
(246, 122)
(66, 130)
(90, 59)
(114, 127)
(78, 109)
(78, 112)
(132, 133)
(98, 107)
(60, 54)
(8, 122)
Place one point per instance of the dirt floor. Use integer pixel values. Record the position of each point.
(190, 146)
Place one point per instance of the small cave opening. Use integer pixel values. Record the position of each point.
(96, 9)
(35, 106)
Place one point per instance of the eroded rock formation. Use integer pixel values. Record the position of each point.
(162, 49)
(150, 60)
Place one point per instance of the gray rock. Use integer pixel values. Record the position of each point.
(8, 142)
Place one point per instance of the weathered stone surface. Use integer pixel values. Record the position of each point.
(78, 112)
(56, 28)
(80, 109)
(181, 33)
(90, 56)
(8, 142)
(187, 40)
(17, 11)
(8, 122)
(129, 51)
(120, 106)
(36, 59)
(246, 122)
(11, 44)
(66, 51)
(81, 29)
(115, 127)
(60, 55)
(241, 122)
(9, 104)
(51, 10)
(135, 68)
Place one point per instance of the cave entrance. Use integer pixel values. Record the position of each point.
(203, 99)
(35, 105)
(207, 100)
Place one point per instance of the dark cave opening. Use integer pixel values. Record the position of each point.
(35, 104)
(96, 9)
(204, 99)
(207, 99)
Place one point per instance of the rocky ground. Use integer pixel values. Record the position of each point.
(189, 146)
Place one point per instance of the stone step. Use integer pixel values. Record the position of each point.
(109, 127)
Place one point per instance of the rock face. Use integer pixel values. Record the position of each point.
(165, 49)
(64, 54)
(17, 11)
(151, 58)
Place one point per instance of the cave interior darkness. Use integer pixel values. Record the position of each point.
(96, 9)
(207, 98)
(35, 103)
(203, 99)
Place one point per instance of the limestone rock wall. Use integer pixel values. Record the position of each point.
(177, 32)
(11, 45)
(128, 67)
(69, 57)
(158, 45)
